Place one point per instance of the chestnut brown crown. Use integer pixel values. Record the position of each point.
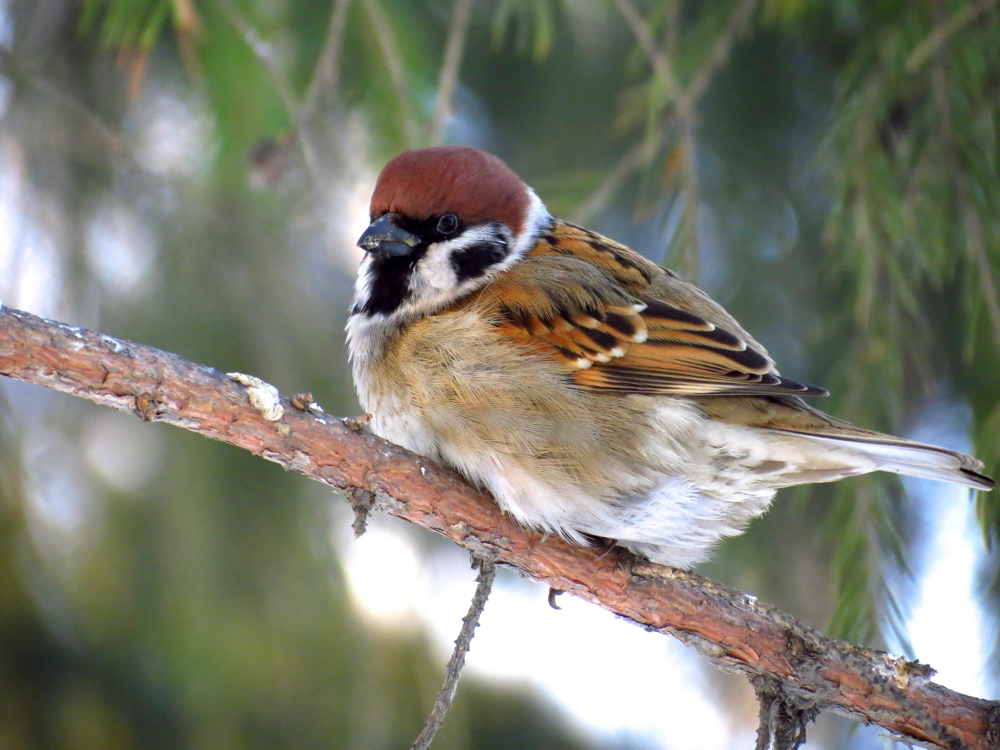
(476, 186)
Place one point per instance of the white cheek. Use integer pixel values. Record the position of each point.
(434, 272)
(434, 283)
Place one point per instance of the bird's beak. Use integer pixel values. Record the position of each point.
(384, 238)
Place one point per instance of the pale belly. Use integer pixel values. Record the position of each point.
(671, 505)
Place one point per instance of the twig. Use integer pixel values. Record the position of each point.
(660, 62)
(460, 15)
(326, 75)
(732, 630)
(691, 195)
(976, 244)
(445, 696)
(394, 62)
(640, 154)
(737, 25)
(767, 696)
(685, 100)
(941, 34)
(112, 140)
(781, 721)
(265, 53)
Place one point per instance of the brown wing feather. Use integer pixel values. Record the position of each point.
(622, 324)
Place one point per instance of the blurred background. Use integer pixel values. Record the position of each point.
(193, 174)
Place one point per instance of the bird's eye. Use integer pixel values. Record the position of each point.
(447, 224)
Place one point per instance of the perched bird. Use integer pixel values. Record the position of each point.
(594, 393)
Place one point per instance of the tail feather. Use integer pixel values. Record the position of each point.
(914, 459)
(872, 451)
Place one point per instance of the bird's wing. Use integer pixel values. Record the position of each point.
(614, 336)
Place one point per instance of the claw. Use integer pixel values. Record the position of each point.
(553, 593)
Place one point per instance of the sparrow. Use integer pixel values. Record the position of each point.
(592, 392)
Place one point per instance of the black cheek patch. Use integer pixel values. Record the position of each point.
(472, 262)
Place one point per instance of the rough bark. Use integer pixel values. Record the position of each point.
(800, 667)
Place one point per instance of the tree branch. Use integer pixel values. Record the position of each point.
(731, 629)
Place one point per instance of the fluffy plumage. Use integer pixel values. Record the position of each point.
(591, 391)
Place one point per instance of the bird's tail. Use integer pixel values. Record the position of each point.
(912, 459)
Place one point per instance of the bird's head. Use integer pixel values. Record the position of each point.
(444, 221)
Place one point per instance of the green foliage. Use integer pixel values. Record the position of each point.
(533, 23)
(125, 23)
(913, 229)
